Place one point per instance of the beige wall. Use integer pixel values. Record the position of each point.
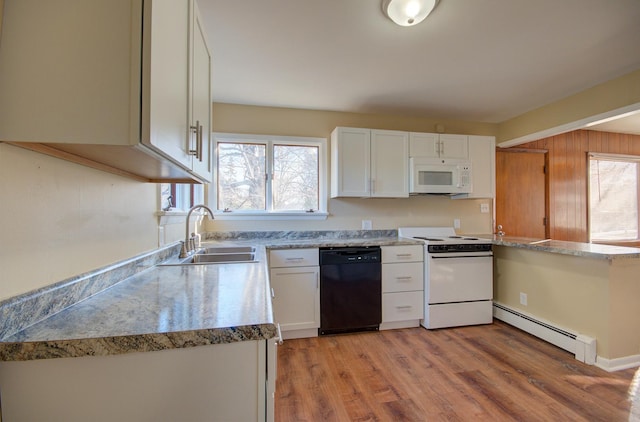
(348, 213)
(298, 122)
(560, 115)
(594, 297)
(63, 219)
(59, 219)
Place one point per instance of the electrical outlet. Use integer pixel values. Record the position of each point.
(366, 224)
(484, 208)
(523, 299)
(456, 223)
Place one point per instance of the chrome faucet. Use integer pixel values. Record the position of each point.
(189, 244)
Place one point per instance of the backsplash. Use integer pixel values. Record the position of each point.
(300, 235)
(21, 311)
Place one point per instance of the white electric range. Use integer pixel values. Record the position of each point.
(458, 270)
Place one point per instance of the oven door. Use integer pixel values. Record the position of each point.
(458, 277)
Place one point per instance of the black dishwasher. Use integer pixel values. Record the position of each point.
(350, 289)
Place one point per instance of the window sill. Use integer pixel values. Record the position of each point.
(176, 216)
(318, 215)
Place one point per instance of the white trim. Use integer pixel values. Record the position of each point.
(399, 324)
(317, 215)
(176, 216)
(527, 324)
(568, 127)
(618, 364)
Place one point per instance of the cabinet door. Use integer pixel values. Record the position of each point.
(454, 146)
(389, 164)
(350, 162)
(296, 304)
(294, 257)
(402, 306)
(424, 145)
(403, 277)
(200, 99)
(70, 70)
(402, 253)
(166, 64)
(482, 152)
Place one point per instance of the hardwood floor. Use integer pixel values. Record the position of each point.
(492, 372)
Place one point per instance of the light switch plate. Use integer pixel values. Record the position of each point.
(366, 225)
(456, 223)
(484, 208)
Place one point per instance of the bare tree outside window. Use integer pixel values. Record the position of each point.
(613, 199)
(241, 176)
(268, 174)
(295, 177)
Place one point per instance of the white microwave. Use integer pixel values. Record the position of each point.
(439, 175)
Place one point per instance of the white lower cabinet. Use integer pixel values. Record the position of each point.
(221, 382)
(402, 286)
(295, 280)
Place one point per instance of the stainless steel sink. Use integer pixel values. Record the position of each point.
(227, 249)
(220, 258)
(217, 255)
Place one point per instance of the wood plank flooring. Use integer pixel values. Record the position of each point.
(491, 372)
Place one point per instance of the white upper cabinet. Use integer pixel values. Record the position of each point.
(438, 145)
(112, 83)
(350, 162)
(389, 164)
(482, 153)
(200, 112)
(369, 163)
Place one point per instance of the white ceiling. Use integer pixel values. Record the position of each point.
(476, 60)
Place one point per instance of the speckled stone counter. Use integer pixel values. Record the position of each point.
(148, 307)
(586, 250)
(164, 307)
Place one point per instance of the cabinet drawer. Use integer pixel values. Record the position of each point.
(405, 253)
(403, 306)
(293, 258)
(402, 277)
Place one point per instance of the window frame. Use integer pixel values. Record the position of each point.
(619, 158)
(269, 141)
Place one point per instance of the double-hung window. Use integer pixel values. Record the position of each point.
(614, 195)
(269, 176)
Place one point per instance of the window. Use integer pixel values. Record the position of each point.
(180, 196)
(613, 197)
(269, 175)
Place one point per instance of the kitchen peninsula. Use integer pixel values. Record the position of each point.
(589, 290)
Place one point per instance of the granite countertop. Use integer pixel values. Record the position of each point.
(586, 250)
(171, 306)
(163, 307)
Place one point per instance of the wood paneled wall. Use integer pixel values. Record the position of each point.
(567, 173)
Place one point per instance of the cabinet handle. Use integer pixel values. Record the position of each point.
(294, 259)
(403, 255)
(404, 307)
(193, 130)
(404, 278)
(199, 138)
(197, 129)
(273, 293)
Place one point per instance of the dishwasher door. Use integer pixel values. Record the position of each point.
(350, 291)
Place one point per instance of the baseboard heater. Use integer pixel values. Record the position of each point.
(582, 346)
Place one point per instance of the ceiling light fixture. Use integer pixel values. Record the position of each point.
(408, 12)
